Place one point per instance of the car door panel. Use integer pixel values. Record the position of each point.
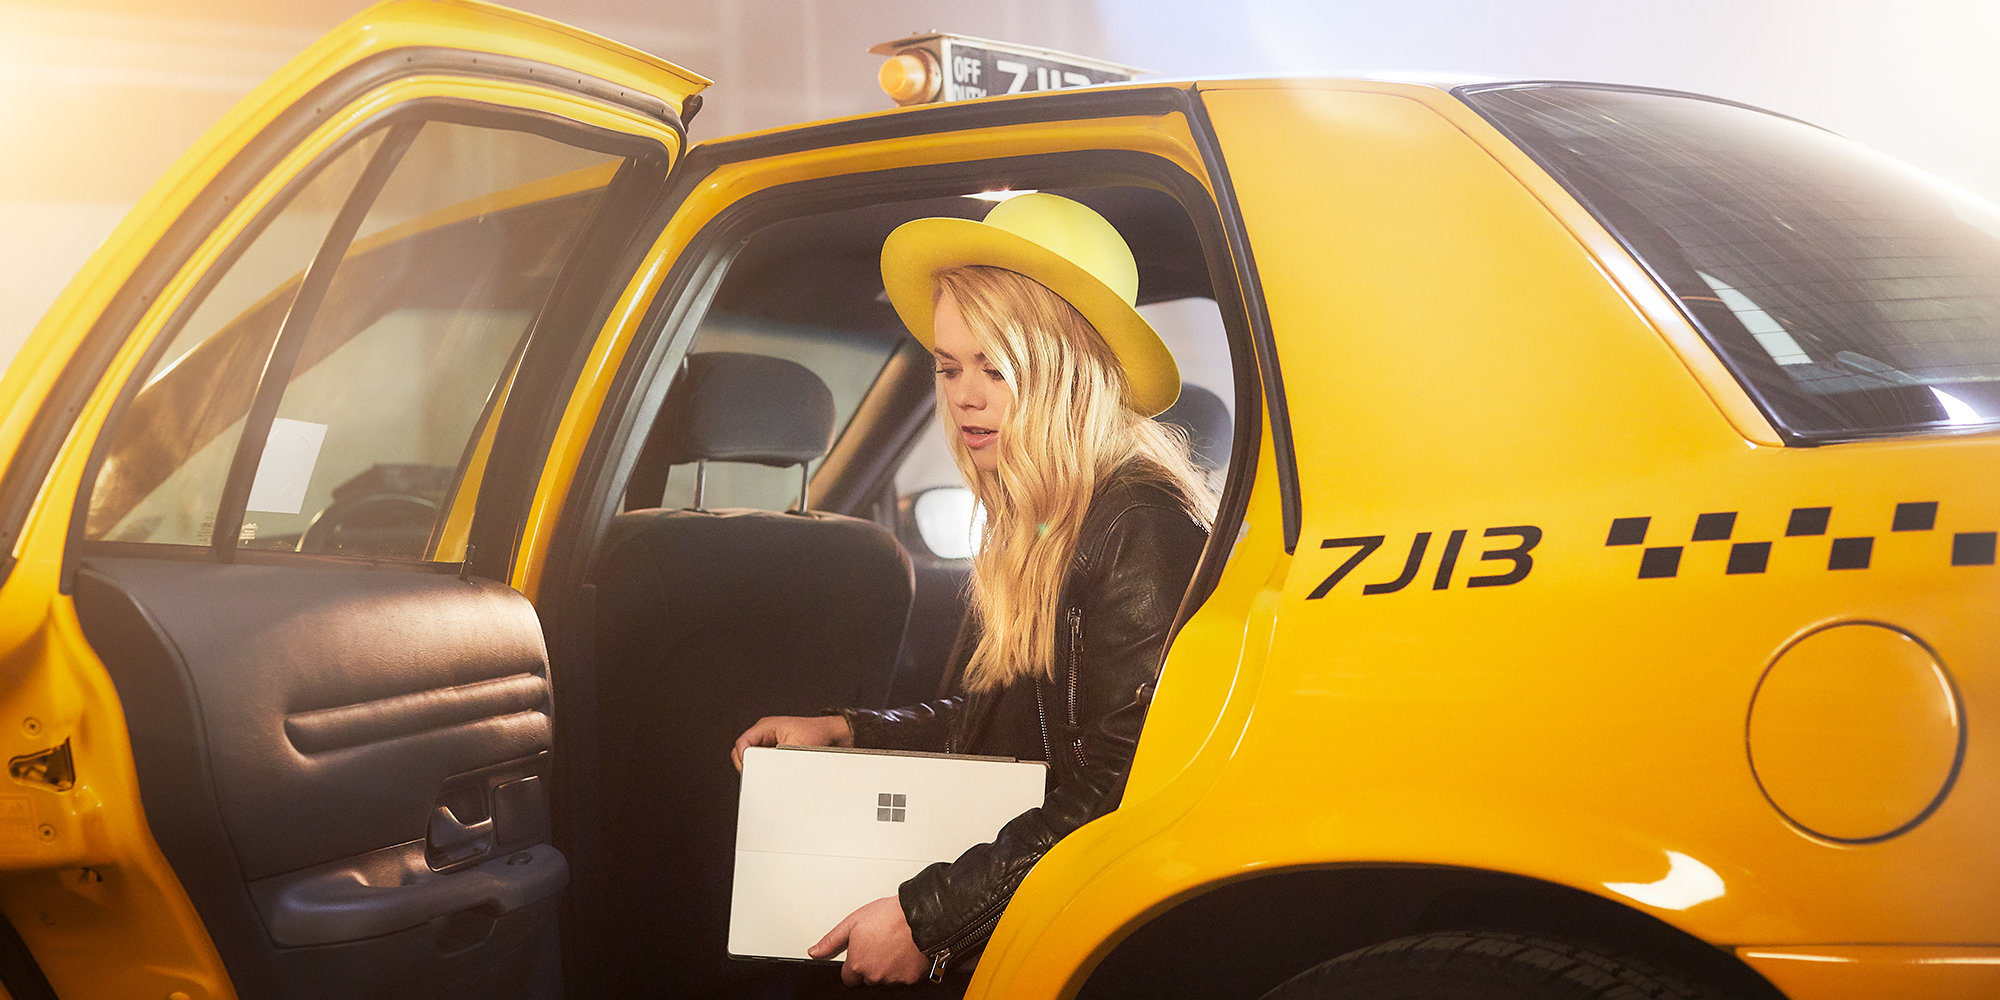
(334, 766)
(312, 756)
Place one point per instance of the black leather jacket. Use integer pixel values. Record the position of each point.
(1135, 552)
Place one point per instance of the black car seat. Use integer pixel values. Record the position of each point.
(707, 620)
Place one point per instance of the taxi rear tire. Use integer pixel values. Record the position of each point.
(1482, 965)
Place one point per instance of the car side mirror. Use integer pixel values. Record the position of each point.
(949, 520)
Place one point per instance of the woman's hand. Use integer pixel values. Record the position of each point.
(880, 951)
(793, 730)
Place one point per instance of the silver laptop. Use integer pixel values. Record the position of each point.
(820, 832)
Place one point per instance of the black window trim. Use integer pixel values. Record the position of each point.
(1290, 498)
(553, 355)
(290, 339)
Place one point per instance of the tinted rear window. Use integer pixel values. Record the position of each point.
(1852, 295)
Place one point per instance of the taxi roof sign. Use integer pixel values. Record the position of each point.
(942, 66)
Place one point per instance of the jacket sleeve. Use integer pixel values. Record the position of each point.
(926, 726)
(1128, 591)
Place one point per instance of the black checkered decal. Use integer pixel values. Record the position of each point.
(1843, 552)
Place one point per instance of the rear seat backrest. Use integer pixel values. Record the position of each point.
(707, 620)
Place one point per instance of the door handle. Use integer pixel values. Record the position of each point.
(350, 902)
(450, 842)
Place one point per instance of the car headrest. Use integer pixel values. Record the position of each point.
(730, 407)
(1202, 414)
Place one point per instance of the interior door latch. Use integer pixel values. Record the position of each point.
(51, 768)
(451, 842)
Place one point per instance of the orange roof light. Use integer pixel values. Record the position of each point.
(945, 67)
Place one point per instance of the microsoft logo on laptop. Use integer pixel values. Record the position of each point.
(890, 808)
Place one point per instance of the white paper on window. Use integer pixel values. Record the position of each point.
(289, 456)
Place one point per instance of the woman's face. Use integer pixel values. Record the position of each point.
(969, 388)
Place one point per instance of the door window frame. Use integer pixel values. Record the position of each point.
(558, 578)
(613, 224)
(667, 333)
(664, 335)
(34, 457)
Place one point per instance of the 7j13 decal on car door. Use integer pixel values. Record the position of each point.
(1509, 546)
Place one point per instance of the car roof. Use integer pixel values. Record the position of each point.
(1424, 85)
(1259, 82)
(807, 269)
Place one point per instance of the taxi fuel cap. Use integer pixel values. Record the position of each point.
(1856, 732)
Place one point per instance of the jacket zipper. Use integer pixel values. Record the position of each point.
(1075, 657)
(974, 932)
(983, 926)
(1042, 717)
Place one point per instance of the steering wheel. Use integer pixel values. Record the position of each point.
(387, 525)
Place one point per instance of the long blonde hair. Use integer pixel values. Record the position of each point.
(1068, 432)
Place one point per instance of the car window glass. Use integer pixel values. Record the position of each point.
(1852, 295)
(397, 370)
(415, 333)
(161, 479)
(1769, 333)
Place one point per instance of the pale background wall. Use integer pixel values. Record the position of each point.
(98, 96)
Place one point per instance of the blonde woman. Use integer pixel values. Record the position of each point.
(1047, 379)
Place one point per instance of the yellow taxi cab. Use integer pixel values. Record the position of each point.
(1602, 601)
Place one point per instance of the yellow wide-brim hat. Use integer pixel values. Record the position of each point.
(1067, 248)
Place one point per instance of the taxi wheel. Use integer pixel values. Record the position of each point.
(1481, 965)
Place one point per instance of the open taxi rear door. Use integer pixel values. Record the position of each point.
(277, 724)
